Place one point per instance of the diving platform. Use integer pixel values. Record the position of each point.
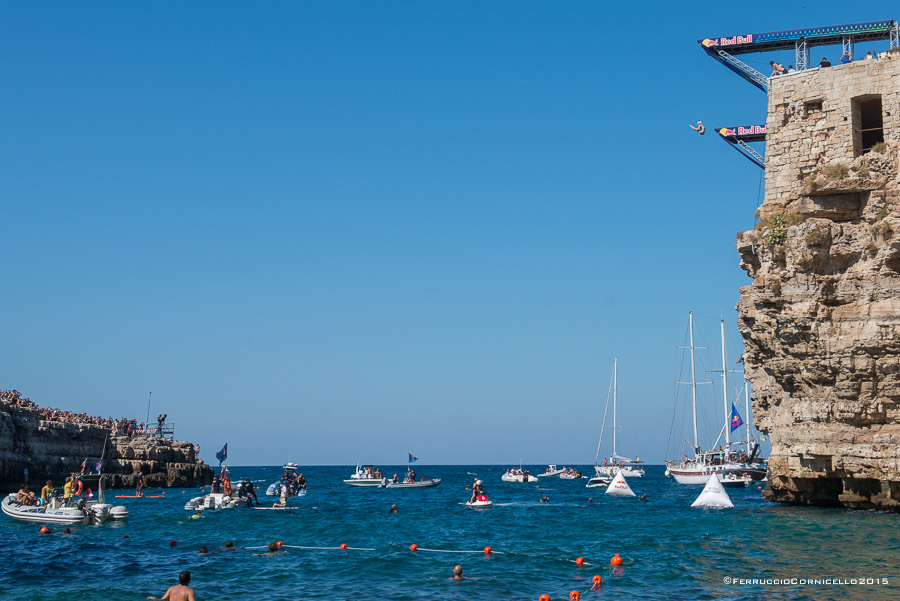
(739, 138)
(724, 49)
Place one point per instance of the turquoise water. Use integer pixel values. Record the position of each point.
(670, 551)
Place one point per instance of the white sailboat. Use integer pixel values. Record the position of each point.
(615, 463)
(723, 461)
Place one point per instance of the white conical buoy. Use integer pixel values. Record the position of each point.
(618, 487)
(713, 495)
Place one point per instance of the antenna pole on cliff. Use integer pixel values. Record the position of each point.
(147, 423)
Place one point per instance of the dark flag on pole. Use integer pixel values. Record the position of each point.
(412, 457)
(223, 454)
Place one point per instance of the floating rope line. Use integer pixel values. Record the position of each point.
(330, 548)
(454, 551)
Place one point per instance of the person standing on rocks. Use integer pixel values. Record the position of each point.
(139, 483)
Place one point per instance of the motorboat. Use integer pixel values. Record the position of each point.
(420, 484)
(84, 511)
(215, 501)
(598, 482)
(364, 476)
(517, 475)
(552, 472)
(481, 502)
(733, 480)
(290, 469)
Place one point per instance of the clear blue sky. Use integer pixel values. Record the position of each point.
(344, 231)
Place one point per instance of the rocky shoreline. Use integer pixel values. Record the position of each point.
(55, 449)
(821, 320)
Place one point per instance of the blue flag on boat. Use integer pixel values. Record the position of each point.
(412, 457)
(736, 421)
(223, 454)
(97, 466)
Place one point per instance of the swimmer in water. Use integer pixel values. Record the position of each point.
(394, 508)
(181, 591)
(457, 573)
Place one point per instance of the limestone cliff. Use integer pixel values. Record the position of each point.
(51, 449)
(821, 320)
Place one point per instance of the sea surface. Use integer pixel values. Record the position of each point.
(670, 550)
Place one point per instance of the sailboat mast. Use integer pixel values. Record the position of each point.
(747, 411)
(725, 391)
(615, 371)
(693, 379)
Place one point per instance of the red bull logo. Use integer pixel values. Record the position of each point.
(732, 41)
(749, 130)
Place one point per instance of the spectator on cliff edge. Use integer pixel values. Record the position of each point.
(824, 63)
(845, 58)
(777, 69)
(139, 483)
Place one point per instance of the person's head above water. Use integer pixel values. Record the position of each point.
(457, 572)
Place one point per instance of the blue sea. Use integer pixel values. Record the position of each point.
(670, 550)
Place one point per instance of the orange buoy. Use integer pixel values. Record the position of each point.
(616, 560)
(488, 550)
(343, 545)
(173, 543)
(414, 547)
(597, 580)
(579, 561)
(45, 530)
(279, 543)
(575, 595)
(544, 598)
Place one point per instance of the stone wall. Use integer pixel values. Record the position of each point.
(821, 320)
(50, 449)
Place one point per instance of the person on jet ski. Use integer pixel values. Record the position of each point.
(477, 491)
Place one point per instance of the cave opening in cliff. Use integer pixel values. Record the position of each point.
(868, 123)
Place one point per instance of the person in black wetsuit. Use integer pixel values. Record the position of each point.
(301, 482)
(250, 492)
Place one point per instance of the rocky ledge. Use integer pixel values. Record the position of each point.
(53, 450)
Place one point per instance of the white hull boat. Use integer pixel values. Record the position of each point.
(419, 484)
(598, 482)
(215, 501)
(363, 477)
(552, 472)
(615, 463)
(724, 462)
(55, 514)
(570, 477)
(732, 480)
(480, 503)
(520, 478)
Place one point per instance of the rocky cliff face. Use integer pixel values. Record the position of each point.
(49, 449)
(821, 320)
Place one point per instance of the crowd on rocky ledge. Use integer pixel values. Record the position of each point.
(14, 399)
